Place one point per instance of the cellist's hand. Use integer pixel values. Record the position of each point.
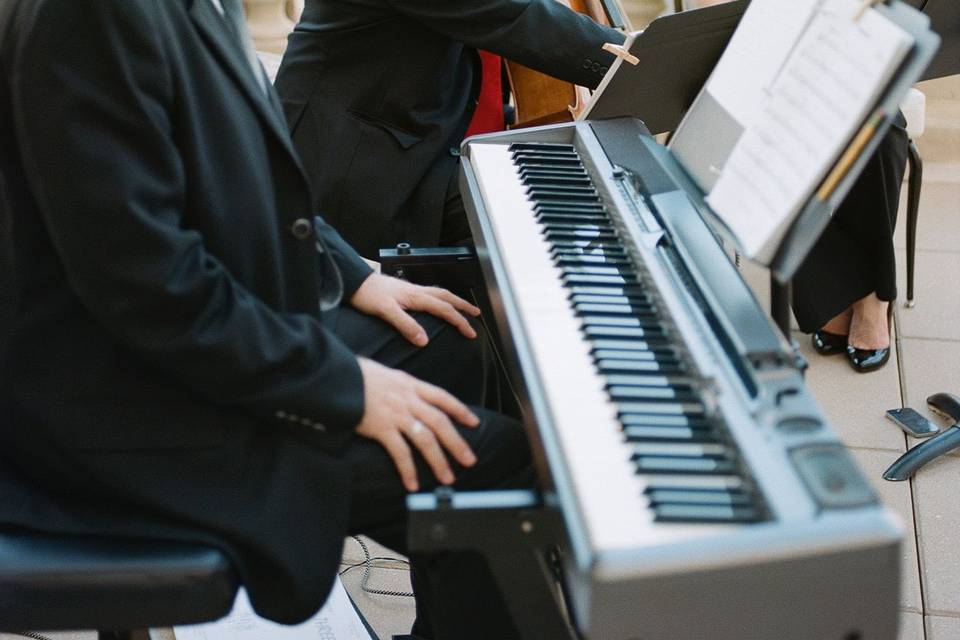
(390, 299)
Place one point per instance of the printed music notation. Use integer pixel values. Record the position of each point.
(808, 99)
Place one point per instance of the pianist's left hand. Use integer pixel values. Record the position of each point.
(390, 299)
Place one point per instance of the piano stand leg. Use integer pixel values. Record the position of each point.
(515, 534)
(780, 294)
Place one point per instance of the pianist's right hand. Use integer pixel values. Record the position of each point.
(400, 409)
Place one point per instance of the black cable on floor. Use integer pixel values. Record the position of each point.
(30, 634)
(367, 564)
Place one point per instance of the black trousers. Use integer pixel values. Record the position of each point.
(855, 254)
(457, 598)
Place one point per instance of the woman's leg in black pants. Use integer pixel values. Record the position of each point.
(457, 597)
(855, 254)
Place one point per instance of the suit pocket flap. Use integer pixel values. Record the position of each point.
(404, 138)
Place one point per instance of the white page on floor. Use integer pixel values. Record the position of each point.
(337, 620)
(821, 97)
(757, 52)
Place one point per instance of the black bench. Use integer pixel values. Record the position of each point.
(118, 586)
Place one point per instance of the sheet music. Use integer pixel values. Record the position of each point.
(819, 100)
(756, 54)
(337, 620)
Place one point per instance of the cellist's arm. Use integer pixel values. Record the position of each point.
(542, 34)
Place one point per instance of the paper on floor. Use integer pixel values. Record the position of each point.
(338, 620)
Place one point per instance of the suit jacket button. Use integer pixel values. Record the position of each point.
(301, 229)
(319, 427)
(455, 152)
(587, 63)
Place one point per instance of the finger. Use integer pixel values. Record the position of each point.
(423, 438)
(445, 311)
(402, 457)
(445, 433)
(447, 403)
(454, 299)
(405, 324)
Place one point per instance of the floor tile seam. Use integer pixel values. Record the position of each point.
(914, 507)
(939, 613)
(875, 449)
(921, 250)
(929, 339)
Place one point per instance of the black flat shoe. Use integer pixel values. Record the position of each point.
(828, 344)
(866, 360)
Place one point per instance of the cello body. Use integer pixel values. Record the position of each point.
(540, 99)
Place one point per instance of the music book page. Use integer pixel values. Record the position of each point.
(337, 620)
(825, 90)
(757, 52)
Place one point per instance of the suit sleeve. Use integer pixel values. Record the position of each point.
(353, 268)
(541, 34)
(92, 99)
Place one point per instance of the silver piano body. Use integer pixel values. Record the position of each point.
(814, 555)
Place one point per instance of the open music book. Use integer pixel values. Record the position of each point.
(801, 79)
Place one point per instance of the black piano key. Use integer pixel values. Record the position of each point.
(640, 300)
(680, 464)
(715, 451)
(668, 434)
(581, 237)
(565, 192)
(623, 354)
(578, 219)
(662, 408)
(520, 155)
(631, 291)
(586, 278)
(639, 366)
(613, 253)
(578, 227)
(598, 269)
(557, 182)
(541, 146)
(615, 310)
(658, 346)
(699, 496)
(592, 208)
(581, 259)
(705, 513)
(620, 392)
(628, 419)
(550, 163)
(647, 380)
(546, 195)
(604, 331)
(585, 245)
(555, 172)
(647, 322)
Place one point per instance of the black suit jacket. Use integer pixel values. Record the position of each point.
(378, 95)
(165, 369)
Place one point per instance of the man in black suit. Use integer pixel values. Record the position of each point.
(187, 352)
(379, 93)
